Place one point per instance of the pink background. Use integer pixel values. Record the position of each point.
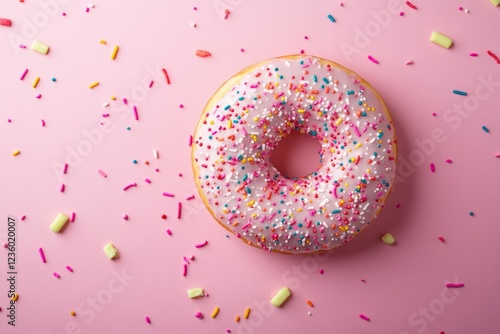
(404, 292)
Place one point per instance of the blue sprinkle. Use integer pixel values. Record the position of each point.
(486, 129)
(326, 80)
(331, 17)
(315, 79)
(459, 92)
(227, 107)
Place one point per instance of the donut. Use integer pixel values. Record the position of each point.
(245, 120)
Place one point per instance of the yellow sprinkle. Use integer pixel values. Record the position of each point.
(237, 318)
(102, 41)
(339, 121)
(94, 84)
(15, 297)
(359, 145)
(35, 83)
(301, 110)
(72, 313)
(113, 98)
(250, 203)
(343, 228)
(115, 51)
(229, 124)
(16, 152)
(215, 312)
(247, 313)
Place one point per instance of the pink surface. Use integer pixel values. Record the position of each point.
(404, 290)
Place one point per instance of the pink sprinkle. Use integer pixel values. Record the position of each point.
(87, 10)
(449, 161)
(191, 257)
(125, 217)
(130, 186)
(357, 131)
(199, 315)
(242, 50)
(190, 140)
(39, 96)
(185, 270)
(61, 189)
(4, 245)
(136, 114)
(363, 280)
(22, 46)
(473, 54)
(190, 197)
(373, 59)
(147, 180)
(24, 74)
(169, 232)
(23, 217)
(179, 210)
(364, 317)
(102, 173)
(148, 320)
(434, 114)
(151, 83)
(65, 169)
(497, 154)
(409, 62)
(69, 269)
(43, 122)
(321, 271)
(181, 106)
(105, 115)
(203, 244)
(72, 219)
(40, 251)
(125, 101)
(185, 259)
(433, 168)
(401, 13)
(56, 275)
(455, 285)
(441, 239)
(460, 8)
(168, 194)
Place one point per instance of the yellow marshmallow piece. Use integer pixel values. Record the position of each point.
(39, 47)
(195, 292)
(441, 40)
(280, 297)
(111, 251)
(59, 222)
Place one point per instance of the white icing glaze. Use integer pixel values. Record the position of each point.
(322, 210)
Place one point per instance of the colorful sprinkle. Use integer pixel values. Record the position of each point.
(485, 129)
(215, 312)
(115, 52)
(203, 53)
(94, 84)
(494, 56)
(459, 92)
(331, 18)
(40, 251)
(24, 74)
(373, 59)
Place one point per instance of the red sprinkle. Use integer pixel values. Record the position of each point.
(441, 239)
(227, 12)
(203, 53)
(165, 74)
(5, 22)
(494, 56)
(411, 5)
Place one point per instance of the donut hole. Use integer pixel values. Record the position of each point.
(296, 155)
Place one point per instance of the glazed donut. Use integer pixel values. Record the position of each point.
(245, 120)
